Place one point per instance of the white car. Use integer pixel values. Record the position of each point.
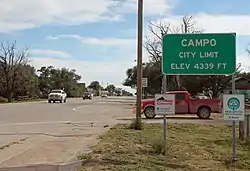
(104, 96)
(57, 95)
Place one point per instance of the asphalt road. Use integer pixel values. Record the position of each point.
(40, 133)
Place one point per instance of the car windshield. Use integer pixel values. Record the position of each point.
(55, 91)
(86, 94)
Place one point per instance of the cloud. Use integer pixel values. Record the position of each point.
(19, 15)
(16, 15)
(215, 23)
(50, 53)
(151, 7)
(51, 37)
(96, 41)
(125, 48)
(243, 60)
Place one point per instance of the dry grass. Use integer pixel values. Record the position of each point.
(216, 115)
(193, 147)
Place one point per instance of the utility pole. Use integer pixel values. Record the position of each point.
(139, 59)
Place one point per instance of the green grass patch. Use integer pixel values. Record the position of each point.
(193, 147)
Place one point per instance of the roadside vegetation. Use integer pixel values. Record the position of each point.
(20, 81)
(193, 147)
(136, 124)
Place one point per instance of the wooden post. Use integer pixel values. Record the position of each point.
(241, 130)
(246, 128)
(139, 59)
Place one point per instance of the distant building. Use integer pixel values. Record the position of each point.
(242, 86)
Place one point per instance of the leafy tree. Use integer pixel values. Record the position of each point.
(53, 78)
(131, 77)
(30, 83)
(81, 89)
(95, 85)
(110, 88)
(126, 93)
(18, 78)
(44, 80)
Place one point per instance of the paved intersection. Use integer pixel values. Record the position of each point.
(53, 134)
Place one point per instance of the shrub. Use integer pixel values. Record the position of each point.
(158, 146)
(136, 124)
(85, 157)
(3, 100)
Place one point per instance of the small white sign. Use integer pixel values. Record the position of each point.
(233, 107)
(144, 82)
(164, 104)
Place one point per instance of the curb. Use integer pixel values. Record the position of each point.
(46, 167)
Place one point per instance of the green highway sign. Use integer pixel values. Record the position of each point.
(201, 54)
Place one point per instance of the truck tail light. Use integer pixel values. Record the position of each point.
(219, 103)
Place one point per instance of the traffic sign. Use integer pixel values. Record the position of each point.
(144, 82)
(202, 54)
(234, 107)
(164, 104)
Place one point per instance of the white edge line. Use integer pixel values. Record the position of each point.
(52, 122)
(33, 123)
(75, 109)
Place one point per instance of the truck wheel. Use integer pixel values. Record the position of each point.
(149, 113)
(49, 101)
(204, 113)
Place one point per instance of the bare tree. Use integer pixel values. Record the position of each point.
(11, 63)
(153, 45)
(248, 50)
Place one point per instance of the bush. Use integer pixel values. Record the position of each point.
(85, 157)
(3, 100)
(158, 147)
(136, 124)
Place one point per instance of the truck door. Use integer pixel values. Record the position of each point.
(181, 103)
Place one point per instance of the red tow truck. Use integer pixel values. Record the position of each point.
(185, 104)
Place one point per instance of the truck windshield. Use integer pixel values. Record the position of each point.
(180, 96)
(55, 91)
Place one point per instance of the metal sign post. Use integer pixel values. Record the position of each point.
(164, 104)
(233, 110)
(165, 114)
(234, 125)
